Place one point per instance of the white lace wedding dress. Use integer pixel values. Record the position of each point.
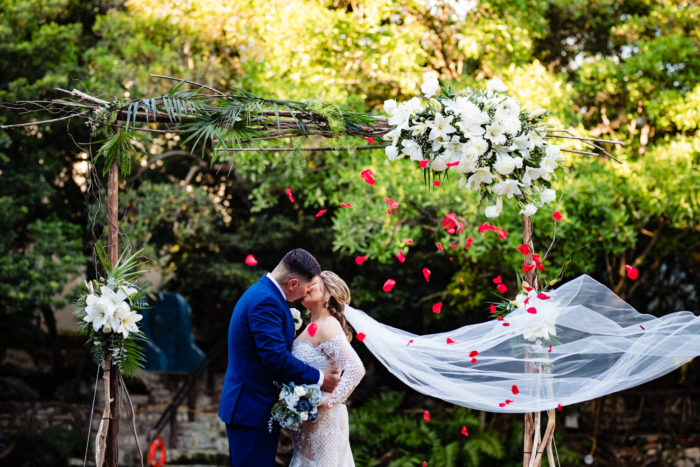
(326, 442)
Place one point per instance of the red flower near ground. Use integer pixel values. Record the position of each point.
(556, 215)
(502, 233)
(439, 247)
(470, 240)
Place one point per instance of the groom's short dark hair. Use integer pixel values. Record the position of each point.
(301, 263)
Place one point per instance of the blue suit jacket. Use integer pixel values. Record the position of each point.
(260, 338)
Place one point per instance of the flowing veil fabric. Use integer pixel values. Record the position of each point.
(599, 345)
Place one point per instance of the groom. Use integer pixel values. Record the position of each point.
(260, 337)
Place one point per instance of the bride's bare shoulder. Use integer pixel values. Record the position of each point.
(329, 328)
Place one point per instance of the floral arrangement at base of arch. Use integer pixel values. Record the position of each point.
(494, 145)
(108, 313)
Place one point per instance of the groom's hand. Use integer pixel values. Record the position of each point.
(331, 378)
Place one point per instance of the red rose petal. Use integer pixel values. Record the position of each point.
(492, 309)
(641, 327)
(360, 259)
(532, 310)
(464, 431)
(559, 407)
(473, 360)
(312, 329)
(388, 285)
(460, 227)
(484, 227)
(453, 245)
(452, 164)
(524, 249)
(543, 296)
(550, 348)
(502, 233)
(473, 353)
(528, 267)
(250, 260)
(426, 274)
(502, 288)
(502, 404)
(632, 273)
(368, 176)
(361, 336)
(392, 204)
(425, 464)
(528, 288)
(400, 256)
(556, 215)
(540, 267)
(500, 318)
(526, 300)
(436, 182)
(369, 139)
(439, 246)
(424, 163)
(345, 205)
(506, 324)
(449, 221)
(320, 212)
(508, 401)
(470, 240)
(437, 307)
(493, 227)
(497, 279)
(410, 341)
(536, 258)
(515, 389)
(449, 341)
(426, 416)
(289, 194)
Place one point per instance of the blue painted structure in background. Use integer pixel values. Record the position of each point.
(167, 325)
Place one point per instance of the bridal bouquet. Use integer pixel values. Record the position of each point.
(496, 147)
(296, 404)
(108, 313)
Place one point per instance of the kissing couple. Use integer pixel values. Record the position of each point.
(264, 354)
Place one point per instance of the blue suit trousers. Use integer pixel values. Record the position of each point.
(252, 447)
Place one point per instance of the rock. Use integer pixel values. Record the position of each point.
(15, 389)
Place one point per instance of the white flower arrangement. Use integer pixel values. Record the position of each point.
(108, 313)
(496, 147)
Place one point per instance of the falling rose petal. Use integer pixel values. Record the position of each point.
(400, 256)
(437, 307)
(250, 260)
(449, 341)
(506, 324)
(320, 212)
(524, 249)
(497, 279)
(484, 227)
(515, 389)
(449, 221)
(312, 329)
(556, 215)
(502, 404)
(470, 240)
(508, 401)
(500, 318)
(452, 164)
(369, 139)
(392, 204)
(439, 247)
(360, 259)
(453, 245)
(528, 288)
(460, 227)
(361, 336)
(641, 327)
(492, 309)
(425, 464)
(532, 310)
(502, 233)
(410, 341)
(426, 274)
(528, 267)
(424, 163)
(368, 176)
(493, 227)
(502, 288)
(543, 296)
(632, 273)
(559, 407)
(473, 360)
(464, 431)
(388, 285)
(436, 182)
(289, 194)
(426, 416)
(550, 348)
(408, 240)
(473, 353)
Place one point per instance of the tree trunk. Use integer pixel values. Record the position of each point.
(54, 345)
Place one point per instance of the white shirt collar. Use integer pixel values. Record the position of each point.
(269, 276)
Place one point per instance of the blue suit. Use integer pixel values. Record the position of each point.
(260, 337)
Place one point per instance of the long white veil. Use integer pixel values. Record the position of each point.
(599, 345)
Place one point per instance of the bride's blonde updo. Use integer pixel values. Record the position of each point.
(337, 295)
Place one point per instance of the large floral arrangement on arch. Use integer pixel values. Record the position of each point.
(495, 146)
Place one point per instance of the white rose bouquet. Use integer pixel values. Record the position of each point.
(295, 405)
(496, 147)
(108, 312)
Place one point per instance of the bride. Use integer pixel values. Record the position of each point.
(324, 344)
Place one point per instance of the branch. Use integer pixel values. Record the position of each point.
(193, 83)
(42, 122)
(358, 148)
(83, 96)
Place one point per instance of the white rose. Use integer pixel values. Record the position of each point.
(504, 164)
(304, 416)
(548, 195)
(392, 152)
(299, 391)
(430, 87)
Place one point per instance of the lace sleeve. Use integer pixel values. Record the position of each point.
(341, 353)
